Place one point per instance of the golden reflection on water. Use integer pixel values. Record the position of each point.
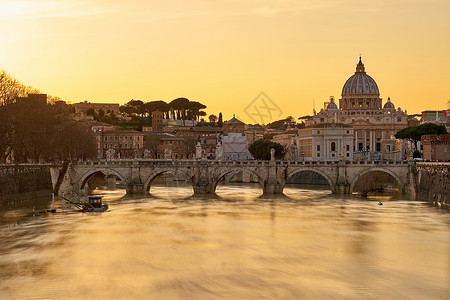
(305, 244)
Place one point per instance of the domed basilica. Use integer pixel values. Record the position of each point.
(361, 107)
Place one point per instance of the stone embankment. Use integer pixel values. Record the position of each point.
(25, 181)
(434, 182)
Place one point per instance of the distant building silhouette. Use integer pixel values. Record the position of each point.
(83, 107)
(34, 99)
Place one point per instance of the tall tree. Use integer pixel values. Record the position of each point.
(158, 105)
(179, 106)
(212, 118)
(414, 133)
(133, 108)
(260, 149)
(11, 89)
(282, 124)
(220, 121)
(195, 109)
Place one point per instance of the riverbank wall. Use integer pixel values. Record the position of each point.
(434, 182)
(19, 183)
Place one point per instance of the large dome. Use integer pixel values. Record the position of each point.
(360, 84)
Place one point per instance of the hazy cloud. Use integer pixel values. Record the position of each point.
(33, 9)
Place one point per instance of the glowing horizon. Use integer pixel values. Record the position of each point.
(224, 53)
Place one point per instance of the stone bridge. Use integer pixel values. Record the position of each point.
(204, 175)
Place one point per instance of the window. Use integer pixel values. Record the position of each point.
(378, 147)
(348, 148)
(318, 154)
(360, 146)
(322, 120)
(399, 119)
(348, 154)
(360, 133)
(378, 134)
(318, 147)
(333, 146)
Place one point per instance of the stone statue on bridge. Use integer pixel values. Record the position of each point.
(198, 150)
(110, 154)
(219, 151)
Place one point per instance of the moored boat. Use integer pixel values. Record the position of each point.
(94, 204)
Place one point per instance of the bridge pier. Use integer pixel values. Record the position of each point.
(272, 186)
(136, 188)
(342, 188)
(342, 185)
(203, 180)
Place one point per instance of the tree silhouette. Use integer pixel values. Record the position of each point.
(260, 149)
(220, 121)
(414, 133)
(212, 118)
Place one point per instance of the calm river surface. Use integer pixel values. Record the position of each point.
(307, 244)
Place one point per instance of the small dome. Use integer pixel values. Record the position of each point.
(233, 120)
(389, 104)
(360, 84)
(332, 105)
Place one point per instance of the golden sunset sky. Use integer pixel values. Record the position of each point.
(223, 53)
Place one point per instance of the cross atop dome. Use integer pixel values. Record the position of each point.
(360, 66)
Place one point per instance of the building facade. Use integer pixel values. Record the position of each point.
(439, 117)
(123, 143)
(436, 147)
(83, 107)
(324, 142)
(361, 108)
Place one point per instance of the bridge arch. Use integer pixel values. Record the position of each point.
(383, 170)
(154, 175)
(105, 171)
(235, 171)
(327, 177)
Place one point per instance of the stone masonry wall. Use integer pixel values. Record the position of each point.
(19, 183)
(434, 182)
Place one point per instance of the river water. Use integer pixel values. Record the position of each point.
(306, 244)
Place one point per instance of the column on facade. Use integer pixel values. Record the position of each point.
(364, 139)
(372, 140)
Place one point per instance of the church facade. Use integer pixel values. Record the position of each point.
(374, 124)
